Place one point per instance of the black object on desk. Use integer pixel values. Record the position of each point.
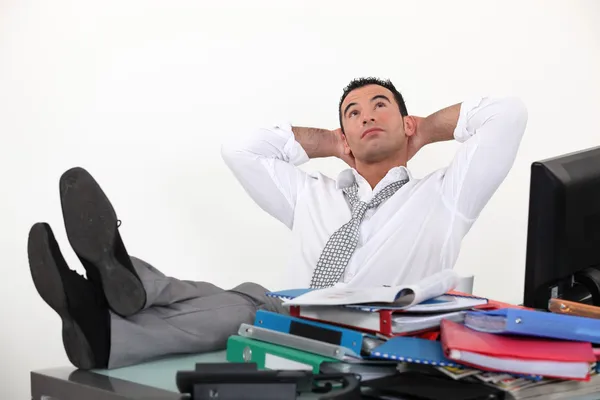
(418, 385)
(229, 381)
(563, 237)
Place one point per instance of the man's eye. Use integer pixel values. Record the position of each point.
(353, 113)
(381, 103)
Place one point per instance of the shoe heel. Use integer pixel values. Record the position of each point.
(123, 290)
(44, 270)
(90, 220)
(76, 346)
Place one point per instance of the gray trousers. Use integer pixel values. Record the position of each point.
(182, 317)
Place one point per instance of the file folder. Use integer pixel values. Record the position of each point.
(413, 350)
(355, 343)
(294, 341)
(271, 356)
(535, 323)
(385, 322)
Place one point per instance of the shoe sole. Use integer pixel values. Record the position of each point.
(48, 283)
(91, 225)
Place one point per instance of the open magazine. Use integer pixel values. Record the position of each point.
(398, 297)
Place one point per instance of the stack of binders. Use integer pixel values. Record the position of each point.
(524, 342)
(282, 342)
(370, 337)
(449, 337)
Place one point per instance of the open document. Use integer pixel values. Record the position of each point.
(402, 296)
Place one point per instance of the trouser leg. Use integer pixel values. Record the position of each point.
(162, 290)
(196, 325)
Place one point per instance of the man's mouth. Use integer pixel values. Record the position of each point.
(371, 130)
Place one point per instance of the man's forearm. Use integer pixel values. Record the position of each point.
(317, 142)
(440, 125)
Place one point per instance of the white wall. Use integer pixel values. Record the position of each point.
(142, 93)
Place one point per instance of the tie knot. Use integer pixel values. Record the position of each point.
(358, 209)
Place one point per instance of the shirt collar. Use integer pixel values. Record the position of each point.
(348, 176)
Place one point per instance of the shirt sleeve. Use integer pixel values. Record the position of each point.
(490, 130)
(266, 165)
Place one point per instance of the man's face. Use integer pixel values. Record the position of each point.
(373, 124)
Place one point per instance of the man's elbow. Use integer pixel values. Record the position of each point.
(228, 152)
(239, 147)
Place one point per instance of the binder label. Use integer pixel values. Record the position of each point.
(278, 363)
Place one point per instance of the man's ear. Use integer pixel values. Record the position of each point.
(346, 146)
(410, 125)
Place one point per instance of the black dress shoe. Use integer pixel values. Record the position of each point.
(91, 225)
(84, 312)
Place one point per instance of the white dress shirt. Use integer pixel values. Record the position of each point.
(416, 232)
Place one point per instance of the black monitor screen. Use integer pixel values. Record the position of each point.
(563, 238)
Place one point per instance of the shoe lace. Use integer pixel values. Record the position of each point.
(118, 223)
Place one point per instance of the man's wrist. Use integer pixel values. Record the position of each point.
(317, 143)
(426, 130)
(440, 126)
(331, 144)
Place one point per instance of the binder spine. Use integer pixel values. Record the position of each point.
(310, 329)
(295, 311)
(385, 322)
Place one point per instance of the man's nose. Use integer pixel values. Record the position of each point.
(368, 118)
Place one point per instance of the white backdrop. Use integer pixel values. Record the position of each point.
(143, 92)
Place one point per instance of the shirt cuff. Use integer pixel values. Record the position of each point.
(461, 132)
(292, 150)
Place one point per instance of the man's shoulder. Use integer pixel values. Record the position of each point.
(322, 184)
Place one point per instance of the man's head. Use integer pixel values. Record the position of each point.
(372, 117)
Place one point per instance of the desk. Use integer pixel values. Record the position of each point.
(151, 380)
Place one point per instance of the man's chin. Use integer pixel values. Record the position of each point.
(376, 156)
(373, 159)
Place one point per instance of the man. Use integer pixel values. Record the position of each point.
(373, 225)
(415, 232)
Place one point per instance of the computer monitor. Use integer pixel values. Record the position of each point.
(563, 235)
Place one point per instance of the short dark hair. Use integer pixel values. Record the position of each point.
(360, 82)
